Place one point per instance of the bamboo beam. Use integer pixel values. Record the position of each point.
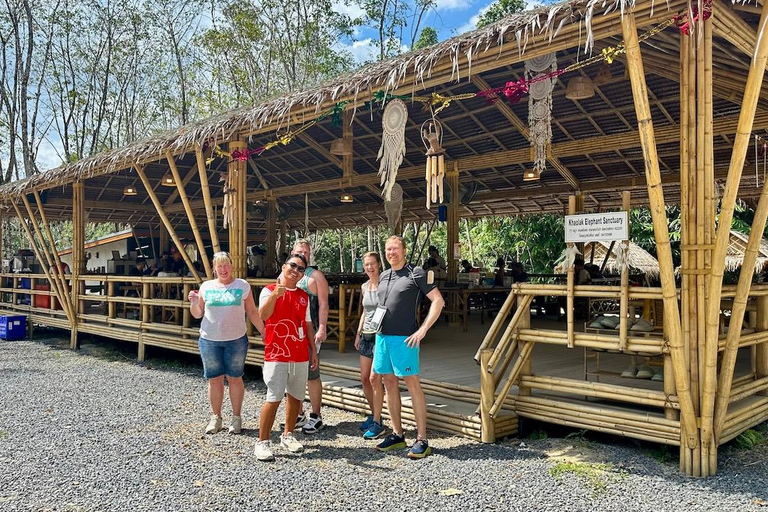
(57, 283)
(743, 138)
(206, 192)
(166, 221)
(624, 300)
(56, 260)
(452, 228)
(490, 336)
(661, 232)
(32, 242)
(525, 352)
(271, 226)
(761, 356)
(487, 390)
(570, 281)
(190, 214)
(78, 254)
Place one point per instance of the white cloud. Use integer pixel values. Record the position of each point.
(50, 154)
(350, 9)
(472, 23)
(362, 51)
(449, 5)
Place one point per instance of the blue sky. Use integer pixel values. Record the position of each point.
(448, 17)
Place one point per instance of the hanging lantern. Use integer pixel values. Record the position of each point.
(603, 75)
(341, 147)
(580, 88)
(346, 198)
(531, 175)
(130, 190)
(168, 180)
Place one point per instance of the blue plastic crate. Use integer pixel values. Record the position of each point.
(13, 327)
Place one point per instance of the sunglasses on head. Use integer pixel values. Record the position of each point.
(295, 266)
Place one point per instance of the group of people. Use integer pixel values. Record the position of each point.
(171, 264)
(292, 315)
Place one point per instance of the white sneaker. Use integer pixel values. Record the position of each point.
(214, 425)
(291, 444)
(314, 424)
(301, 420)
(263, 450)
(236, 426)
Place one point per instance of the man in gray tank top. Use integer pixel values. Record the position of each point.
(315, 284)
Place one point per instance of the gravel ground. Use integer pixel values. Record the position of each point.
(96, 430)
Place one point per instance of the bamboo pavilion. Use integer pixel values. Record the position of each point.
(650, 104)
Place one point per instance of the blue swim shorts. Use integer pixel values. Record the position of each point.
(392, 355)
(223, 357)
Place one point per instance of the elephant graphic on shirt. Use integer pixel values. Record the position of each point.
(284, 331)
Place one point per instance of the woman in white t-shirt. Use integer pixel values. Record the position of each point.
(223, 303)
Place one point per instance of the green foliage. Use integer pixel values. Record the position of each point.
(538, 435)
(749, 439)
(662, 453)
(428, 37)
(500, 9)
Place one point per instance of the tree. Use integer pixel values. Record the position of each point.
(500, 9)
(428, 37)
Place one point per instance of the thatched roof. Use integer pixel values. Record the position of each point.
(595, 148)
(513, 33)
(638, 259)
(737, 246)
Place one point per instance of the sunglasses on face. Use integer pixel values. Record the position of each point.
(296, 266)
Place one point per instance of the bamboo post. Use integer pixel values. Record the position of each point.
(166, 221)
(487, 391)
(342, 317)
(740, 145)
(271, 260)
(452, 177)
(283, 239)
(237, 223)
(761, 350)
(206, 192)
(624, 299)
(525, 366)
(570, 283)
(661, 232)
(78, 256)
(190, 214)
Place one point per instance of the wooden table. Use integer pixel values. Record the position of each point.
(458, 301)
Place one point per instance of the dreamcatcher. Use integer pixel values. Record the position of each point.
(394, 206)
(228, 208)
(540, 106)
(432, 136)
(621, 251)
(392, 148)
(571, 251)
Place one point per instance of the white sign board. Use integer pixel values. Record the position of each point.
(603, 227)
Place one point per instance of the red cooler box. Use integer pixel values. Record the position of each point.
(13, 327)
(43, 301)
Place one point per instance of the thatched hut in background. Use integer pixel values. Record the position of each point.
(737, 246)
(638, 259)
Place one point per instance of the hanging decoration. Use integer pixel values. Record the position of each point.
(432, 137)
(540, 107)
(392, 149)
(228, 208)
(621, 250)
(761, 145)
(393, 206)
(570, 255)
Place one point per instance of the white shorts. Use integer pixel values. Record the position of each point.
(282, 378)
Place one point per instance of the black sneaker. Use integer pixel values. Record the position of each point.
(420, 449)
(391, 442)
(314, 424)
(300, 421)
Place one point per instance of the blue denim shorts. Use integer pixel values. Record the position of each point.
(223, 357)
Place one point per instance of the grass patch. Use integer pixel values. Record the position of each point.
(596, 475)
(749, 439)
(538, 435)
